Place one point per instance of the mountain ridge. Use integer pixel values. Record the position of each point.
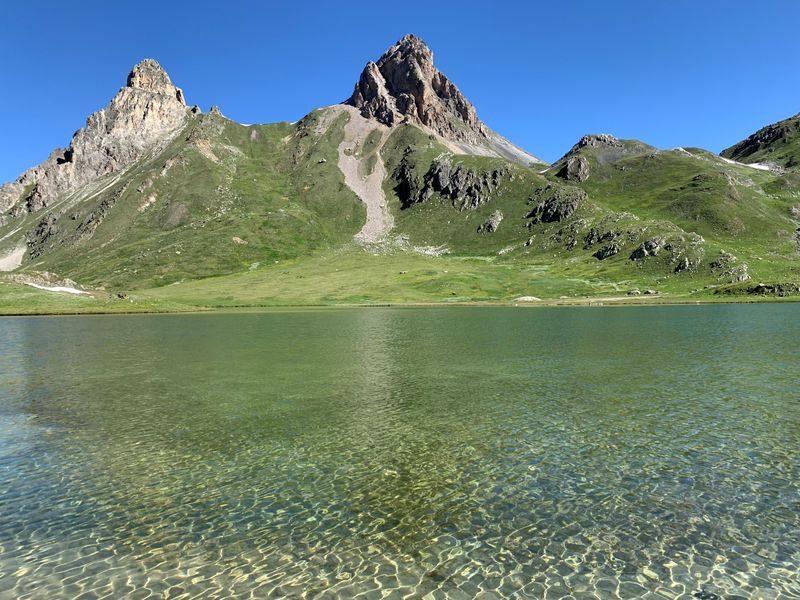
(147, 111)
(777, 144)
(153, 194)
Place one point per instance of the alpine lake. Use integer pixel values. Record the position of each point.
(458, 452)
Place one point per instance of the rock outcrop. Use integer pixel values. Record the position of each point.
(775, 289)
(576, 168)
(647, 248)
(492, 223)
(553, 203)
(727, 268)
(604, 149)
(404, 86)
(464, 187)
(145, 114)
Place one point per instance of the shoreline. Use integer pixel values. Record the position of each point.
(593, 302)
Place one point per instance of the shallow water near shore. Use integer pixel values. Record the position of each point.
(638, 452)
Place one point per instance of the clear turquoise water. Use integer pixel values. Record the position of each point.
(649, 452)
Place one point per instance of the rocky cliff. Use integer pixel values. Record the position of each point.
(466, 188)
(404, 86)
(143, 116)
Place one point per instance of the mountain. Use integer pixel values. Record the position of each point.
(404, 86)
(143, 117)
(400, 193)
(777, 144)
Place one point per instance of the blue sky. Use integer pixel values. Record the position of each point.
(671, 73)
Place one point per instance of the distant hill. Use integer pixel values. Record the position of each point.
(777, 144)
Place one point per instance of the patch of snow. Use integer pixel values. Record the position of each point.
(527, 299)
(57, 288)
(758, 166)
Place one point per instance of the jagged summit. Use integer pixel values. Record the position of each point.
(405, 86)
(596, 140)
(150, 76)
(144, 115)
(606, 145)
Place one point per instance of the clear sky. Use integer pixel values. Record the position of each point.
(672, 73)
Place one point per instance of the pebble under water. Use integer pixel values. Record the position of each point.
(642, 452)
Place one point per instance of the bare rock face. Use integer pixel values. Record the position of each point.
(597, 140)
(466, 188)
(404, 85)
(554, 203)
(576, 168)
(492, 223)
(773, 143)
(144, 115)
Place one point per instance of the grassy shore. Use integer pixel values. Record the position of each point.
(359, 278)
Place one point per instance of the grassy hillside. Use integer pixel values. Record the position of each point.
(712, 222)
(222, 198)
(232, 215)
(778, 144)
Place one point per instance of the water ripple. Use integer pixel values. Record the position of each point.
(397, 453)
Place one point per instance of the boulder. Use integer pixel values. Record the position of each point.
(491, 224)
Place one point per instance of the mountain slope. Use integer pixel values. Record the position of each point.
(214, 197)
(399, 194)
(777, 144)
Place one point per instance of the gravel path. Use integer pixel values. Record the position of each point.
(369, 188)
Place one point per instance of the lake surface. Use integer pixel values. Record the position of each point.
(642, 452)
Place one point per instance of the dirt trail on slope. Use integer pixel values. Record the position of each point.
(369, 188)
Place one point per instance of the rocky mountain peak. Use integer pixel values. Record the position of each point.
(150, 76)
(410, 48)
(597, 140)
(143, 116)
(405, 86)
